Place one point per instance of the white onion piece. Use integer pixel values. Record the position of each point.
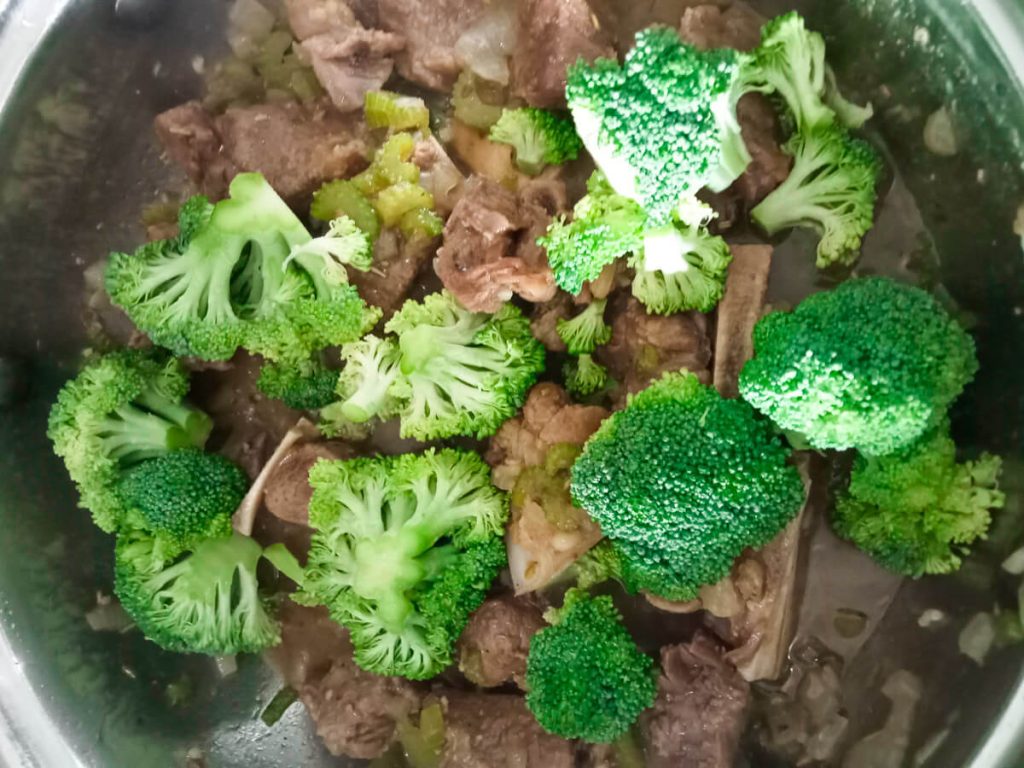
(1015, 563)
(486, 45)
(226, 665)
(249, 24)
(977, 637)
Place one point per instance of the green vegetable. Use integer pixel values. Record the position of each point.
(371, 369)
(871, 365)
(539, 138)
(638, 567)
(278, 705)
(302, 387)
(344, 245)
(587, 331)
(386, 109)
(206, 602)
(462, 372)
(122, 409)
(477, 102)
(405, 549)
(585, 677)
(831, 189)
(183, 497)
(423, 744)
(690, 476)
(916, 511)
(584, 376)
(342, 198)
(237, 276)
(661, 126)
(682, 270)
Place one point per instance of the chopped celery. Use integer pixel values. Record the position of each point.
(385, 109)
(393, 202)
(421, 221)
(423, 744)
(278, 705)
(390, 166)
(343, 198)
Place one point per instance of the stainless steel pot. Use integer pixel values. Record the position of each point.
(79, 83)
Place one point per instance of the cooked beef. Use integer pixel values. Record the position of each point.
(191, 140)
(712, 26)
(431, 29)
(498, 731)
(493, 647)
(699, 713)
(769, 165)
(310, 642)
(350, 64)
(309, 18)
(396, 264)
(438, 174)
(544, 321)
(644, 346)
(490, 250)
(553, 34)
(738, 312)
(288, 492)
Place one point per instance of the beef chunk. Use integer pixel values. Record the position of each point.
(288, 491)
(544, 321)
(352, 63)
(698, 716)
(309, 18)
(431, 29)
(490, 250)
(711, 26)
(310, 642)
(493, 648)
(644, 346)
(738, 313)
(189, 136)
(438, 174)
(396, 264)
(769, 165)
(498, 730)
(552, 35)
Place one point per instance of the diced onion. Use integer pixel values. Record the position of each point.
(486, 45)
(939, 134)
(226, 665)
(1015, 563)
(249, 24)
(977, 637)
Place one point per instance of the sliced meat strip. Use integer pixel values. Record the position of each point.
(350, 64)
(494, 645)
(553, 35)
(712, 26)
(189, 136)
(699, 714)
(738, 312)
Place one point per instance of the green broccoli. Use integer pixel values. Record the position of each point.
(850, 115)
(636, 566)
(683, 270)
(917, 510)
(344, 244)
(605, 226)
(366, 382)
(871, 365)
(689, 475)
(831, 189)
(237, 276)
(122, 409)
(539, 138)
(586, 679)
(396, 112)
(206, 602)
(405, 548)
(305, 387)
(183, 498)
(584, 376)
(462, 372)
(663, 125)
(587, 331)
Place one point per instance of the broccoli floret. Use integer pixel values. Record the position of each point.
(680, 270)
(689, 475)
(585, 677)
(183, 498)
(386, 109)
(831, 189)
(539, 138)
(637, 567)
(584, 376)
(871, 365)
(663, 124)
(344, 244)
(343, 198)
(462, 372)
(850, 115)
(228, 281)
(206, 602)
(587, 331)
(365, 385)
(605, 226)
(916, 511)
(305, 387)
(405, 549)
(790, 62)
(122, 409)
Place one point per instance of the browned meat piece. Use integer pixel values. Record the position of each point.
(431, 29)
(698, 717)
(544, 322)
(738, 312)
(485, 730)
(438, 174)
(553, 34)
(493, 647)
(644, 346)
(309, 18)
(769, 165)
(351, 63)
(310, 642)
(189, 137)
(712, 26)
(396, 264)
(287, 491)
(490, 250)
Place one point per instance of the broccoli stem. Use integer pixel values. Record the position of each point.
(131, 435)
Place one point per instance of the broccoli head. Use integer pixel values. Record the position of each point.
(183, 498)
(689, 475)
(871, 365)
(462, 372)
(305, 387)
(916, 511)
(831, 189)
(539, 138)
(366, 382)
(637, 567)
(343, 245)
(585, 677)
(405, 549)
(587, 331)
(205, 602)
(663, 124)
(122, 409)
(584, 376)
(680, 269)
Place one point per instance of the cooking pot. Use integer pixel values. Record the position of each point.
(80, 81)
